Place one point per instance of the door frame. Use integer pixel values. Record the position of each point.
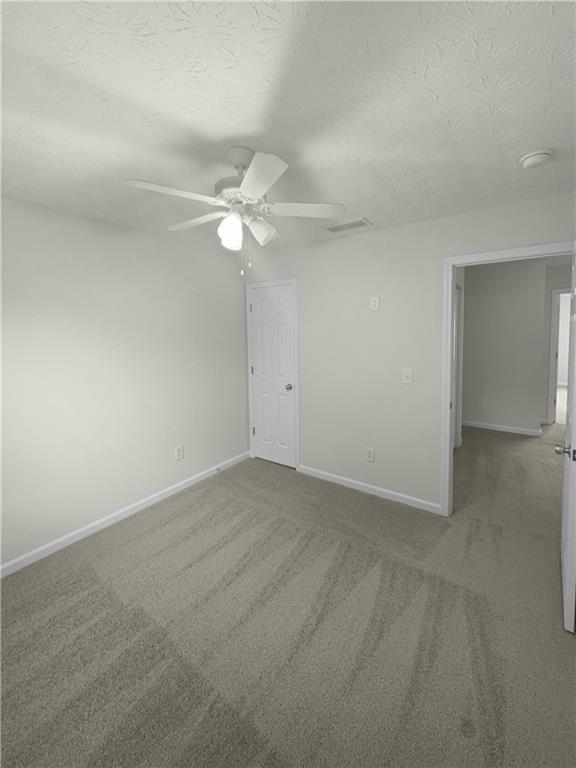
(450, 264)
(553, 352)
(274, 284)
(458, 360)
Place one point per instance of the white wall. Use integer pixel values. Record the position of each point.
(504, 338)
(353, 395)
(564, 328)
(118, 346)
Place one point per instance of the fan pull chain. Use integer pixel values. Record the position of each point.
(246, 243)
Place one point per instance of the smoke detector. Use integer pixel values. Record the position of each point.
(536, 158)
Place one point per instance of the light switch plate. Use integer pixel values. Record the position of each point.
(407, 376)
(375, 303)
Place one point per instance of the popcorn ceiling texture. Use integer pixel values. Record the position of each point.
(403, 111)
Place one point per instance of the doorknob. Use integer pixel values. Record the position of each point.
(288, 387)
(560, 450)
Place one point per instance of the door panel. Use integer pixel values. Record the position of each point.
(569, 496)
(272, 345)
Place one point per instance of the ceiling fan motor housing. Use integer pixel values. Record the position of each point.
(227, 188)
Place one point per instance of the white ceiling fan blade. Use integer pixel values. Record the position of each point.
(263, 172)
(262, 230)
(191, 223)
(150, 187)
(306, 210)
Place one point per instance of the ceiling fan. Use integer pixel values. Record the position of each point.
(243, 198)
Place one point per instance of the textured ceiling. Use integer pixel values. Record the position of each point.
(403, 111)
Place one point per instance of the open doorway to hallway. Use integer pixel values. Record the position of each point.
(512, 472)
(505, 469)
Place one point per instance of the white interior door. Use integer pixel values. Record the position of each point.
(569, 498)
(273, 380)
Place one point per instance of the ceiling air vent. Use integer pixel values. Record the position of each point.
(345, 226)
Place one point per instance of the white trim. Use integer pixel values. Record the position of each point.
(512, 254)
(446, 434)
(450, 263)
(270, 284)
(553, 382)
(458, 359)
(87, 530)
(375, 490)
(503, 428)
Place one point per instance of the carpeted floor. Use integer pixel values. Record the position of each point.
(265, 619)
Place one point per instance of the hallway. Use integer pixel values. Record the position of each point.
(510, 480)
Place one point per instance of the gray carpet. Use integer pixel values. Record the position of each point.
(265, 619)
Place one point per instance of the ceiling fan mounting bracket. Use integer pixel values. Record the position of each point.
(240, 157)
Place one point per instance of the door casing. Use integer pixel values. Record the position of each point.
(553, 357)
(457, 365)
(450, 265)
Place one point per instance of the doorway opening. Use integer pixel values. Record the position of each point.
(496, 410)
(559, 353)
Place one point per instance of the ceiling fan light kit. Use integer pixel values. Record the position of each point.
(243, 199)
(261, 230)
(230, 231)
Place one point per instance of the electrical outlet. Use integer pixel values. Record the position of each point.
(481, 404)
(179, 453)
(370, 455)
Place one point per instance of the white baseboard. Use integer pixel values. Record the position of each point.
(87, 530)
(503, 428)
(375, 490)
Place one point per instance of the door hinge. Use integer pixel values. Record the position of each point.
(574, 455)
(556, 356)
(252, 370)
(250, 307)
(253, 430)
(554, 401)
